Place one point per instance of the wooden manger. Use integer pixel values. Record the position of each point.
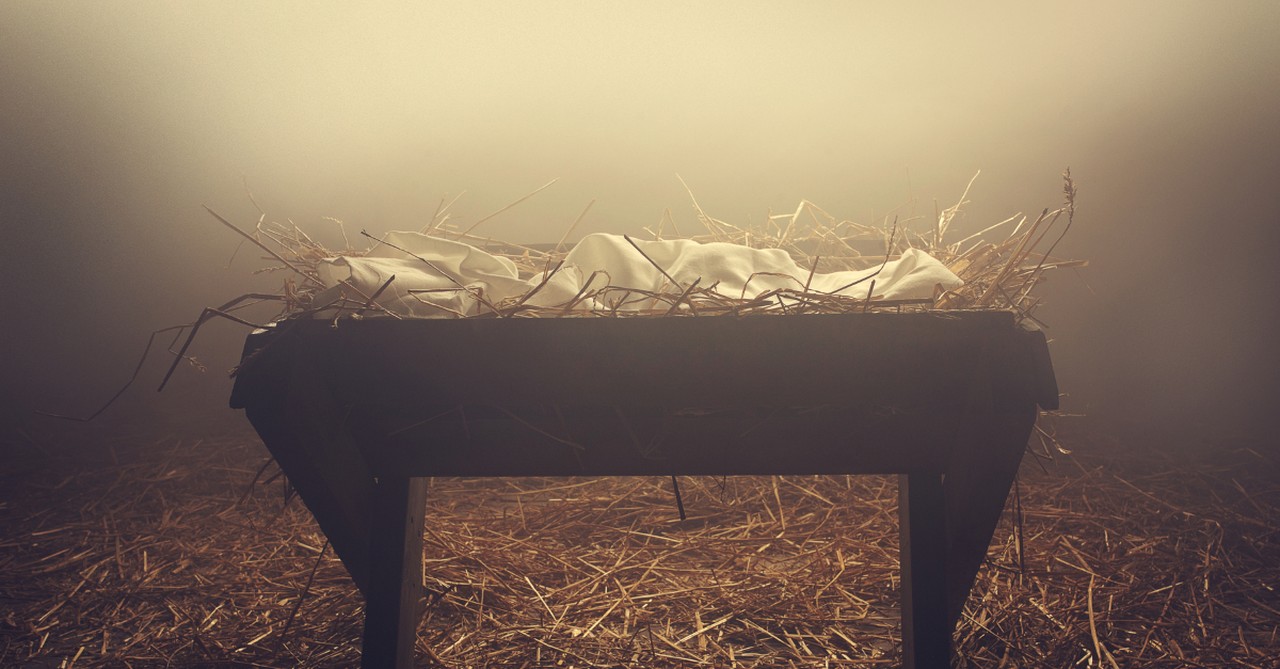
(359, 412)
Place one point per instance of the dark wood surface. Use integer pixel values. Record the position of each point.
(312, 444)
(899, 360)
(926, 633)
(395, 587)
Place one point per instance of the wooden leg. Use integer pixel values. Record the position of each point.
(395, 574)
(926, 632)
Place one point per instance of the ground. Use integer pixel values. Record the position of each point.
(133, 544)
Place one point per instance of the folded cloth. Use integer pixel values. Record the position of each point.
(439, 278)
(434, 277)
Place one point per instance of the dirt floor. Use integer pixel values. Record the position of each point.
(144, 546)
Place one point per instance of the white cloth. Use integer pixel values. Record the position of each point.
(445, 267)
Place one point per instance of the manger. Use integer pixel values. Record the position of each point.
(356, 415)
(427, 356)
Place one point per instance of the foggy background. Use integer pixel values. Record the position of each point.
(118, 120)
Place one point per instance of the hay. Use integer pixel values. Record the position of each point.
(144, 551)
(999, 274)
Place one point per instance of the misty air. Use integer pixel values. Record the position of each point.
(667, 335)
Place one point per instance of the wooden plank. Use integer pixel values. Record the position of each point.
(1046, 393)
(979, 476)
(576, 441)
(395, 578)
(894, 360)
(926, 630)
(303, 427)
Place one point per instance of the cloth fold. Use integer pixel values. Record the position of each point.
(440, 278)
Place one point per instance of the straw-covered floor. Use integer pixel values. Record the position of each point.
(132, 550)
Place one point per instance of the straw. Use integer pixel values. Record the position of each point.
(136, 549)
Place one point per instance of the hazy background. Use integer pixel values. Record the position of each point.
(118, 120)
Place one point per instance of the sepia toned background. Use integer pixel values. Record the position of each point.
(119, 120)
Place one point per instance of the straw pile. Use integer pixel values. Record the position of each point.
(130, 550)
(999, 273)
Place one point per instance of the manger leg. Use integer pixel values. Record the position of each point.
(395, 573)
(926, 632)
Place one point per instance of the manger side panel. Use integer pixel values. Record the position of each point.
(678, 362)
(301, 423)
(988, 450)
(602, 441)
(983, 467)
